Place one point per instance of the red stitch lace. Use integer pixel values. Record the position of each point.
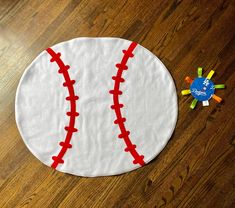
(63, 69)
(130, 147)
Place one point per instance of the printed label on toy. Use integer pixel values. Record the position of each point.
(202, 89)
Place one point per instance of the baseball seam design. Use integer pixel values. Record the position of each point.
(130, 147)
(72, 98)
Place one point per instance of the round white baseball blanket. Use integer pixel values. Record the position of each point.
(96, 106)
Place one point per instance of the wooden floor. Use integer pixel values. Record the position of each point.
(197, 167)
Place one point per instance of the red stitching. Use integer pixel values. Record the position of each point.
(130, 147)
(63, 69)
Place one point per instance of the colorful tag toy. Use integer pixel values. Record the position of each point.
(202, 89)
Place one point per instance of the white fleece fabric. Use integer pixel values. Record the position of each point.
(91, 146)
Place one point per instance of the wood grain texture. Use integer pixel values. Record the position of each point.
(197, 167)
